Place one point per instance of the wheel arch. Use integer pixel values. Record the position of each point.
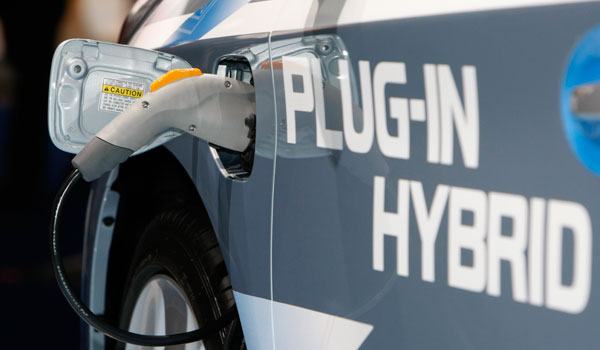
(147, 184)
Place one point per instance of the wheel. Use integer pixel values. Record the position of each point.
(178, 281)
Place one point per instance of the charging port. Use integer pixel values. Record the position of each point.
(236, 165)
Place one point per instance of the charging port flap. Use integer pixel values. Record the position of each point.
(92, 82)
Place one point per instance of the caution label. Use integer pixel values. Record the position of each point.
(111, 89)
(117, 95)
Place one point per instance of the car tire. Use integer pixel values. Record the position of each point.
(178, 255)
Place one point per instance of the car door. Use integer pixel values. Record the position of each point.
(426, 192)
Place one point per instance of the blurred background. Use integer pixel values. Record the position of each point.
(34, 314)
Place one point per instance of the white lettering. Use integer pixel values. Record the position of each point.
(294, 100)
(486, 229)
(508, 248)
(392, 224)
(433, 115)
(326, 138)
(571, 298)
(535, 251)
(466, 120)
(391, 146)
(469, 237)
(442, 109)
(359, 142)
(429, 224)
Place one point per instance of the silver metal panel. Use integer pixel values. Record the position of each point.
(79, 106)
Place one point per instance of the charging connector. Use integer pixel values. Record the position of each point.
(210, 107)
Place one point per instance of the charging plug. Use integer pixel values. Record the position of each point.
(210, 107)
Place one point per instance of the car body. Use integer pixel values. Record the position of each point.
(415, 181)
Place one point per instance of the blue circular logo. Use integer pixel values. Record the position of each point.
(580, 111)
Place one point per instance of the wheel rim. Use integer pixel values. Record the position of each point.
(162, 308)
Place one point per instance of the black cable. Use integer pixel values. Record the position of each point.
(229, 339)
(94, 320)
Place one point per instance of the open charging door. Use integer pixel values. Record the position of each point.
(92, 82)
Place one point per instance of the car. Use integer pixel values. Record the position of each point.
(421, 175)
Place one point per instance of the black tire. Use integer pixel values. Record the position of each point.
(181, 244)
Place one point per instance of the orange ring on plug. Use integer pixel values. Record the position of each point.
(174, 75)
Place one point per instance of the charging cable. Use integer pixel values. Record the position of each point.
(96, 321)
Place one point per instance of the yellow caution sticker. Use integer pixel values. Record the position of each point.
(117, 95)
(117, 90)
